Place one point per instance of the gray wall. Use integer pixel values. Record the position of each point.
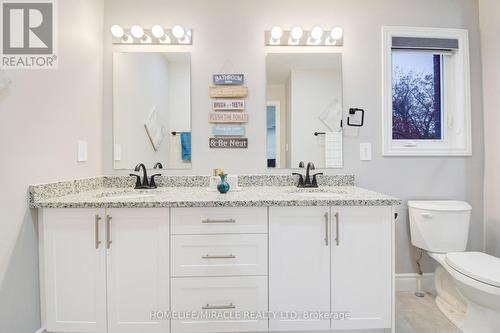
(228, 29)
(43, 115)
(490, 30)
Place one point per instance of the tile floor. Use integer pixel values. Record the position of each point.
(420, 315)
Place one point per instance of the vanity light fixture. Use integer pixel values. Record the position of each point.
(297, 36)
(315, 36)
(156, 35)
(137, 31)
(119, 33)
(178, 31)
(276, 33)
(335, 35)
(158, 31)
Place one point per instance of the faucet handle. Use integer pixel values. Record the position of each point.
(152, 183)
(158, 166)
(301, 164)
(137, 180)
(314, 181)
(301, 179)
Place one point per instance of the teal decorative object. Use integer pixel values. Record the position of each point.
(223, 186)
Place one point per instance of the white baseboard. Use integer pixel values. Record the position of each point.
(408, 282)
(41, 330)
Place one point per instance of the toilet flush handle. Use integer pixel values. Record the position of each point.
(426, 215)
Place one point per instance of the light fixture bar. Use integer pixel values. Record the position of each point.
(156, 35)
(296, 36)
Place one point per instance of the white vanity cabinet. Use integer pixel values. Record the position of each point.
(334, 260)
(115, 270)
(104, 270)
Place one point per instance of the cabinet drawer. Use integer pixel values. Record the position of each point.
(220, 294)
(224, 220)
(219, 255)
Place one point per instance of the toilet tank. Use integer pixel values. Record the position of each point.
(439, 226)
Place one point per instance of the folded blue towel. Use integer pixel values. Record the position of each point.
(186, 146)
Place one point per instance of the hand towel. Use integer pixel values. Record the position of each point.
(333, 150)
(332, 116)
(186, 146)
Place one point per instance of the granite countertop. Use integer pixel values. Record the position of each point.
(201, 196)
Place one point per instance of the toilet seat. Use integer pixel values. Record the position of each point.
(476, 265)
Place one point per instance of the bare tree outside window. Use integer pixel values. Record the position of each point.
(416, 96)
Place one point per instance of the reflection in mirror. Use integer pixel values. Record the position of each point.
(152, 109)
(304, 97)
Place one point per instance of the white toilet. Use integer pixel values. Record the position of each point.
(467, 283)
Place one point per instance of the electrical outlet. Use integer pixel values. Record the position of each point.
(365, 151)
(82, 151)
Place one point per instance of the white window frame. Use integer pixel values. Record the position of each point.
(456, 94)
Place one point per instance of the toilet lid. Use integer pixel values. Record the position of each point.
(476, 265)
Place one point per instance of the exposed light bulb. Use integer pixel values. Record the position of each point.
(137, 31)
(316, 33)
(117, 31)
(276, 32)
(178, 31)
(157, 31)
(296, 33)
(336, 33)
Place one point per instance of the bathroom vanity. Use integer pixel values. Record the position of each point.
(276, 257)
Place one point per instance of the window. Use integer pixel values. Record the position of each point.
(426, 108)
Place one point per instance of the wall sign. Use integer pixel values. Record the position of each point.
(228, 130)
(228, 91)
(227, 117)
(228, 104)
(228, 142)
(228, 79)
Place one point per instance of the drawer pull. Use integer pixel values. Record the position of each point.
(218, 221)
(218, 307)
(208, 256)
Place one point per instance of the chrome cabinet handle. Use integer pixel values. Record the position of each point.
(337, 233)
(108, 231)
(97, 218)
(208, 256)
(326, 228)
(218, 307)
(218, 221)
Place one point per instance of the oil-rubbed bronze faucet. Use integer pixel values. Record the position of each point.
(307, 182)
(145, 184)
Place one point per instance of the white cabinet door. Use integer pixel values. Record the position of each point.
(73, 270)
(362, 267)
(138, 269)
(299, 266)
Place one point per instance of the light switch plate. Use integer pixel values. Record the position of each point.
(365, 151)
(82, 151)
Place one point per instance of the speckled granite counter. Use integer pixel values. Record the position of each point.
(99, 193)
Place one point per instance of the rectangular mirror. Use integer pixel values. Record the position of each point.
(304, 109)
(152, 109)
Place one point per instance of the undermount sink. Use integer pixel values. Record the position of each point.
(318, 193)
(127, 195)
